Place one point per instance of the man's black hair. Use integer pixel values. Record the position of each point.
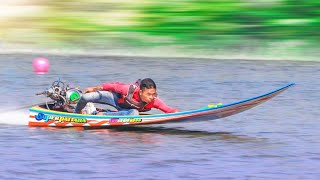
(147, 83)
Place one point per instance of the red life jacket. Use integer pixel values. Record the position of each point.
(128, 102)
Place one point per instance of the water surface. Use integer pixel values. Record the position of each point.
(276, 140)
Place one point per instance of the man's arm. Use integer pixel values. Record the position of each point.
(112, 87)
(117, 87)
(159, 104)
(93, 89)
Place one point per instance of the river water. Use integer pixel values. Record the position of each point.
(276, 140)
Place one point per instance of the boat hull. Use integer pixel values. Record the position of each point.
(43, 117)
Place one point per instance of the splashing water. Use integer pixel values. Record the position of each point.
(19, 117)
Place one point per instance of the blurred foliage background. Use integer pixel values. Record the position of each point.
(266, 28)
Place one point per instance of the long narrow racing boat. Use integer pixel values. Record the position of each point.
(43, 115)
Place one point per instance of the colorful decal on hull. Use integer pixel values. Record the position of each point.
(124, 120)
(46, 118)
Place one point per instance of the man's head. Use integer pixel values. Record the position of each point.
(148, 90)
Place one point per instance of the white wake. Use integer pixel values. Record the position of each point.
(19, 117)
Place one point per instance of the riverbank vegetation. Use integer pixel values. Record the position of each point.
(265, 27)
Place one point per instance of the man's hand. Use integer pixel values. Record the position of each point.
(92, 89)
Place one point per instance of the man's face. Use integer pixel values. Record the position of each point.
(148, 95)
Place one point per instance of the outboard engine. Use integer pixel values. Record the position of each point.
(62, 94)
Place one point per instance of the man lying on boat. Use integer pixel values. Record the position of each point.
(128, 99)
